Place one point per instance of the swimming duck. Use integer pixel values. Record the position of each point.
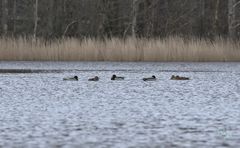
(96, 78)
(114, 77)
(153, 78)
(179, 78)
(75, 78)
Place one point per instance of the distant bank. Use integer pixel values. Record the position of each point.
(172, 49)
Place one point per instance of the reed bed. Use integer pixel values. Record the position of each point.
(172, 49)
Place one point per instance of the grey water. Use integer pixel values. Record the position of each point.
(38, 109)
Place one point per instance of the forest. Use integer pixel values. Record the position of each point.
(120, 30)
(120, 18)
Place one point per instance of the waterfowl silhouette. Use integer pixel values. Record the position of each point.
(96, 78)
(75, 78)
(153, 78)
(179, 78)
(114, 77)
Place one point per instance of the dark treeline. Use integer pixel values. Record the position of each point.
(120, 18)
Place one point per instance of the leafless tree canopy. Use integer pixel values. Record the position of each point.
(120, 18)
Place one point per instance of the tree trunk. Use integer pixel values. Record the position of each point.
(232, 18)
(149, 17)
(4, 17)
(201, 17)
(166, 8)
(35, 19)
(134, 17)
(14, 16)
(50, 18)
(202, 8)
(216, 17)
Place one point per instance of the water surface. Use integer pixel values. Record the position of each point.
(40, 110)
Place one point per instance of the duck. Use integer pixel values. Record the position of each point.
(179, 78)
(96, 78)
(114, 77)
(153, 78)
(75, 78)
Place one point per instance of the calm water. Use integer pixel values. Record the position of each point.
(41, 110)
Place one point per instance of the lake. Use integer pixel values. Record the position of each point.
(39, 109)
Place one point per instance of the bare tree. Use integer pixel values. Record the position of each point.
(5, 17)
(35, 18)
(120, 18)
(14, 13)
(232, 18)
(50, 17)
(134, 16)
(216, 17)
(202, 16)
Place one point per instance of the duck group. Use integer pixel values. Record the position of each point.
(115, 77)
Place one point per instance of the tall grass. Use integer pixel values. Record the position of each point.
(130, 49)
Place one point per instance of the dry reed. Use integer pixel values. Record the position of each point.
(131, 49)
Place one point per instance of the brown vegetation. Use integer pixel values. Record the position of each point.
(130, 49)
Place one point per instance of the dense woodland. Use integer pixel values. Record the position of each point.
(120, 18)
